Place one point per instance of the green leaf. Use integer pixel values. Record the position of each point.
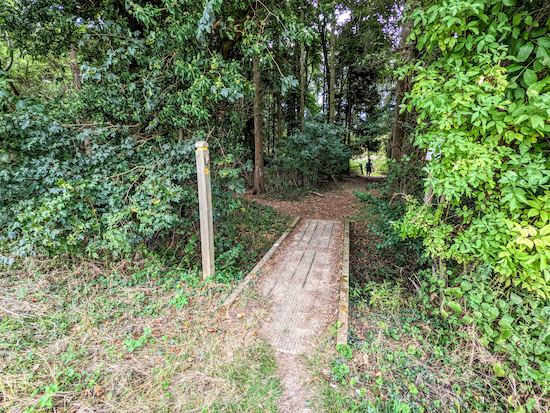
(516, 298)
(453, 305)
(506, 322)
(480, 46)
(456, 292)
(535, 375)
(522, 118)
(514, 67)
(537, 122)
(499, 370)
(524, 52)
(530, 77)
(467, 319)
(506, 333)
(465, 285)
(543, 54)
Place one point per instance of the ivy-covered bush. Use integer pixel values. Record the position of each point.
(484, 312)
(66, 189)
(111, 165)
(483, 104)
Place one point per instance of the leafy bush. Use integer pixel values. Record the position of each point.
(516, 325)
(484, 105)
(385, 214)
(318, 150)
(92, 190)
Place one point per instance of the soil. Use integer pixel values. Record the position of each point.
(334, 202)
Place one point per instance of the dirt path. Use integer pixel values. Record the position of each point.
(301, 282)
(335, 203)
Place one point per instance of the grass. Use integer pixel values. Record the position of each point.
(145, 335)
(78, 336)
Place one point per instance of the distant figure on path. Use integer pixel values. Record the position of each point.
(368, 168)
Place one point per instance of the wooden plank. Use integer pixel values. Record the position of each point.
(233, 296)
(343, 307)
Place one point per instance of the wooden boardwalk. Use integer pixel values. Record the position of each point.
(302, 282)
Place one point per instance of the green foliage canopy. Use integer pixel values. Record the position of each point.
(112, 166)
(484, 104)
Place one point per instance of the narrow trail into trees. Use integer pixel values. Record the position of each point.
(336, 203)
(302, 281)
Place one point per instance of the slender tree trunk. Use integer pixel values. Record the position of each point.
(402, 86)
(349, 107)
(259, 186)
(332, 86)
(325, 65)
(273, 121)
(8, 67)
(279, 118)
(303, 88)
(302, 81)
(75, 69)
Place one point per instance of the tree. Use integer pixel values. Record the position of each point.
(402, 87)
(259, 186)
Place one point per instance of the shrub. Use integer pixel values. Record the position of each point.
(318, 150)
(94, 190)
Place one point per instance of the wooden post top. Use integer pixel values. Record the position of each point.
(201, 145)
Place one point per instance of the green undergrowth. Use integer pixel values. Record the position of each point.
(127, 337)
(248, 233)
(401, 358)
(425, 337)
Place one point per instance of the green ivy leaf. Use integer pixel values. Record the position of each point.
(453, 305)
(499, 370)
(467, 319)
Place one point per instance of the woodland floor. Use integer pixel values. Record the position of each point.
(335, 202)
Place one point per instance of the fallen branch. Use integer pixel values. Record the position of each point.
(337, 183)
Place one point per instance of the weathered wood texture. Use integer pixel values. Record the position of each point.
(205, 209)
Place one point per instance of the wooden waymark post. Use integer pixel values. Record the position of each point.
(205, 208)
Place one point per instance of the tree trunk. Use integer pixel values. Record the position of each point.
(332, 109)
(303, 88)
(279, 118)
(325, 65)
(75, 69)
(302, 81)
(259, 187)
(402, 86)
(349, 108)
